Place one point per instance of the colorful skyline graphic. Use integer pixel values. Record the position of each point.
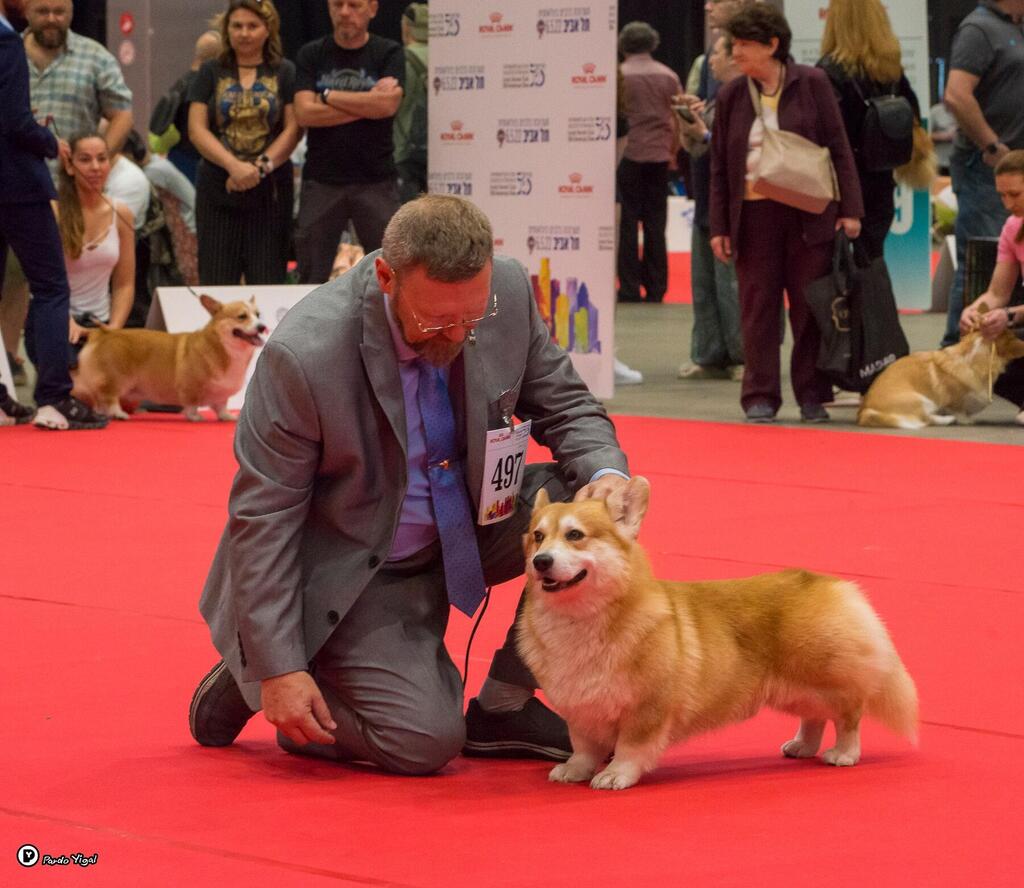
(569, 314)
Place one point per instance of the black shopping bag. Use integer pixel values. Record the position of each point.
(829, 301)
(856, 313)
(878, 339)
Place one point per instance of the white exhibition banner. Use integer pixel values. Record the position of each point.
(178, 310)
(522, 122)
(908, 246)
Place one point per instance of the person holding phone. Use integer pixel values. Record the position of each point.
(716, 345)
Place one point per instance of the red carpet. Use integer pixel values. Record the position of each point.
(107, 539)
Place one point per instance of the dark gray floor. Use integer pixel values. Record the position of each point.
(655, 339)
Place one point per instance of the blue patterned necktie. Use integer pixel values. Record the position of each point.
(464, 576)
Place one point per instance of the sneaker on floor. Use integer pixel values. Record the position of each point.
(531, 732)
(13, 413)
(68, 414)
(626, 375)
(813, 413)
(218, 712)
(760, 412)
(736, 372)
(690, 370)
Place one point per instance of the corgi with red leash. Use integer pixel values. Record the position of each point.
(634, 663)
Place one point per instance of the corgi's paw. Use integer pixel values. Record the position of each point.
(225, 415)
(839, 757)
(572, 771)
(800, 749)
(114, 411)
(618, 775)
(192, 414)
(944, 419)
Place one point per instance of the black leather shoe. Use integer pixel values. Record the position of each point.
(813, 413)
(218, 711)
(531, 732)
(760, 412)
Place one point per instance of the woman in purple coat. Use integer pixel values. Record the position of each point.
(777, 249)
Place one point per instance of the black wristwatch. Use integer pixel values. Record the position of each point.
(323, 94)
(1009, 319)
(992, 149)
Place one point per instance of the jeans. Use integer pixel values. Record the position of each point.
(716, 339)
(980, 213)
(324, 212)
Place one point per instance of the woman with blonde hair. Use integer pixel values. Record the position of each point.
(242, 121)
(861, 55)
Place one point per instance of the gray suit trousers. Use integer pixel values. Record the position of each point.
(385, 673)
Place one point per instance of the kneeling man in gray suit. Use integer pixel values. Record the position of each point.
(371, 494)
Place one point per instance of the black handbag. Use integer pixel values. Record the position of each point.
(856, 313)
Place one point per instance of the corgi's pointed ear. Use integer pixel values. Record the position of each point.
(210, 304)
(541, 499)
(628, 504)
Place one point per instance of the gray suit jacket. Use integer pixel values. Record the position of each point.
(322, 471)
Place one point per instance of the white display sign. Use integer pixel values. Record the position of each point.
(522, 122)
(178, 310)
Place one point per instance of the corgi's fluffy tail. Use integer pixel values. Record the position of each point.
(895, 704)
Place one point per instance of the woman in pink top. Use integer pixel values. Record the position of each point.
(1009, 266)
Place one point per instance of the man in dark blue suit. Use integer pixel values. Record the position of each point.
(28, 226)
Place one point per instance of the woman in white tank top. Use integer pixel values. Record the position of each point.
(99, 239)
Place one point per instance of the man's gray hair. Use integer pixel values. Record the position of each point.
(637, 37)
(449, 237)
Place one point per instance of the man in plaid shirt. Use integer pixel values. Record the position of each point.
(74, 79)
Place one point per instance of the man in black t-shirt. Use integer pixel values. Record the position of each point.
(348, 88)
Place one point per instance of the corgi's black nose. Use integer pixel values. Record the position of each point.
(543, 561)
(261, 328)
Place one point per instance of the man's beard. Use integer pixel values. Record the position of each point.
(437, 350)
(50, 37)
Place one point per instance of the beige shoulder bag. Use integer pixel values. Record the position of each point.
(793, 170)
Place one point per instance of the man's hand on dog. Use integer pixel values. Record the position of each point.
(293, 704)
(601, 488)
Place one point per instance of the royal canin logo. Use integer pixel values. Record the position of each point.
(456, 133)
(575, 185)
(589, 77)
(495, 25)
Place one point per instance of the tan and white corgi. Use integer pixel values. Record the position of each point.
(202, 368)
(634, 663)
(939, 387)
